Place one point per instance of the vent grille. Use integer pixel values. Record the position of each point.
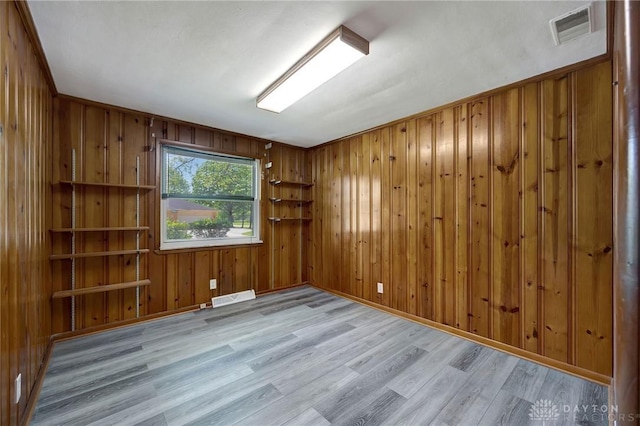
(232, 298)
(571, 25)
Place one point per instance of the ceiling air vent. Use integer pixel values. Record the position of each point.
(571, 25)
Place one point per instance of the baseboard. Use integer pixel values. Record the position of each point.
(275, 290)
(66, 335)
(582, 373)
(37, 386)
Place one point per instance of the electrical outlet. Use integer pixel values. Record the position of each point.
(18, 388)
(380, 288)
(203, 306)
(213, 284)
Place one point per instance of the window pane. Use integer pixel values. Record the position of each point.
(207, 176)
(208, 199)
(194, 219)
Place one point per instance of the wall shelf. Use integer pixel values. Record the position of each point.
(289, 200)
(282, 219)
(107, 185)
(105, 229)
(289, 182)
(96, 254)
(99, 289)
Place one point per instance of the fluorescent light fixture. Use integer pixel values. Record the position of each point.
(336, 52)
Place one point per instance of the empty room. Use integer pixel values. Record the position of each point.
(319, 213)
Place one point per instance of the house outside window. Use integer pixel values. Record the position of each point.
(208, 199)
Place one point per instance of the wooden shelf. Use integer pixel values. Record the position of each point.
(99, 289)
(107, 185)
(107, 229)
(96, 254)
(289, 182)
(289, 200)
(280, 219)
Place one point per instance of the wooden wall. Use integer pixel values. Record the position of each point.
(107, 141)
(25, 285)
(492, 216)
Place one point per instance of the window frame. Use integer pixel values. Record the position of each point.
(206, 243)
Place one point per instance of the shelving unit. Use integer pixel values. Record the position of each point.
(73, 230)
(275, 218)
(289, 214)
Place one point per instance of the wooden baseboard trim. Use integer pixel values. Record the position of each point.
(502, 347)
(66, 335)
(37, 386)
(275, 290)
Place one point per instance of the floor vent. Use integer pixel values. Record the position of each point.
(230, 299)
(572, 25)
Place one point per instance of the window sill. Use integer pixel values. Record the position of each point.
(207, 248)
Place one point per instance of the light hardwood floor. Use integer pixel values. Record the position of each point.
(299, 357)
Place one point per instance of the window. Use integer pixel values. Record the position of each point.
(208, 199)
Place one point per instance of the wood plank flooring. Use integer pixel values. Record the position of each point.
(298, 357)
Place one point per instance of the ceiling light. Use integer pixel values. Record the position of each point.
(336, 52)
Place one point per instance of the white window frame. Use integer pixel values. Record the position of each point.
(207, 242)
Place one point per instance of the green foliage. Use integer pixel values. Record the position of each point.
(221, 178)
(176, 181)
(177, 230)
(209, 228)
(217, 178)
(203, 228)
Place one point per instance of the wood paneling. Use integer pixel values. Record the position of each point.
(25, 286)
(492, 216)
(107, 141)
(593, 159)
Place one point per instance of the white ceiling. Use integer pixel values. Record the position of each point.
(206, 62)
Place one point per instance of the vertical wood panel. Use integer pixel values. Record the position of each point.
(364, 217)
(386, 199)
(376, 215)
(412, 218)
(594, 227)
(444, 219)
(397, 282)
(480, 260)
(335, 251)
(462, 218)
(530, 217)
(555, 222)
(354, 265)
(345, 212)
(506, 214)
(425, 201)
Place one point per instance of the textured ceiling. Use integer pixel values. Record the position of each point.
(206, 62)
